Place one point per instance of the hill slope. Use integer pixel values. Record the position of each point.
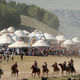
(33, 23)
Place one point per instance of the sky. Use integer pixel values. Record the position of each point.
(53, 4)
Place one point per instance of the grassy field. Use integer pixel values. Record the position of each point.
(27, 21)
(25, 71)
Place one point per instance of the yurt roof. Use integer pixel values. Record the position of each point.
(4, 31)
(18, 44)
(62, 38)
(26, 32)
(76, 39)
(20, 33)
(41, 43)
(11, 29)
(49, 36)
(68, 42)
(6, 39)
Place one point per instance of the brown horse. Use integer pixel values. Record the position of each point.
(35, 71)
(45, 70)
(68, 69)
(55, 69)
(14, 71)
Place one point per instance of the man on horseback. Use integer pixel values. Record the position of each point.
(14, 68)
(36, 64)
(64, 64)
(45, 66)
(45, 69)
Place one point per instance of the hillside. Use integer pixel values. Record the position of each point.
(69, 21)
(33, 23)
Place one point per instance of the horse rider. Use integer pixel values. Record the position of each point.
(14, 66)
(36, 64)
(72, 62)
(45, 66)
(64, 64)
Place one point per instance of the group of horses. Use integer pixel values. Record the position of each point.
(68, 69)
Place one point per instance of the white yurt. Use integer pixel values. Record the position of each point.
(50, 38)
(18, 44)
(11, 29)
(59, 36)
(6, 39)
(20, 33)
(76, 39)
(61, 40)
(26, 32)
(4, 31)
(41, 43)
(68, 43)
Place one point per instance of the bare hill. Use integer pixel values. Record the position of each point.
(33, 23)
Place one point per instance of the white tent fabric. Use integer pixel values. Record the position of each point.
(18, 44)
(62, 38)
(26, 32)
(49, 36)
(11, 29)
(4, 31)
(20, 33)
(68, 43)
(15, 38)
(76, 39)
(57, 37)
(6, 39)
(12, 34)
(41, 43)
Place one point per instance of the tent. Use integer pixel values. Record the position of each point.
(50, 38)
(4, 31)
(18, 44)
(6, 39)
(68, 43)
(20, 33)
(26, 32)
(41, 43)
(11, 29)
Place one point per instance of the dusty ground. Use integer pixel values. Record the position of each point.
(24, 66)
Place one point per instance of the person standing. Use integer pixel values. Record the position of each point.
(7, 57)
(12, 56)
(0, 58)
(22, 54)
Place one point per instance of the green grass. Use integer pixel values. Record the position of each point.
(27, 21)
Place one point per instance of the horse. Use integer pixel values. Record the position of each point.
(45, 70)
(35, 71)
(68, 69)
(1, 72)
(14, 71)
(55, 69)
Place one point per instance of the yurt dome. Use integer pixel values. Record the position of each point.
(18, 44)
(6, 39)
(49, 36)
(20, 33)
(76, 39)
(26, 32)
(68, 43)
(4, 31)
(41, 43)
(11, 29)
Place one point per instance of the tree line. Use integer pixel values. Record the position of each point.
(10, 14)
